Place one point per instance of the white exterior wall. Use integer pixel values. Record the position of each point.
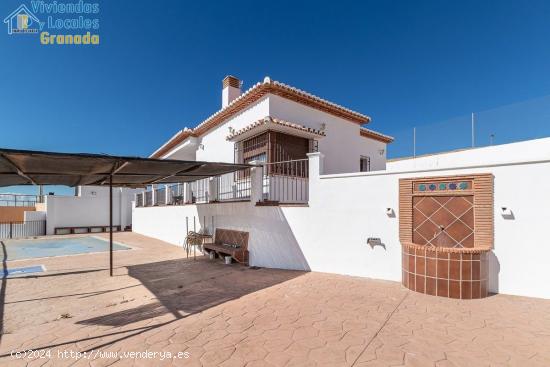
(330, 235)
(356, 206)
(271, 242)
(34, 216)
(187, 151)
(531, 150)
(216, 147)
(343, 146)
(91, 208)
(93, 191)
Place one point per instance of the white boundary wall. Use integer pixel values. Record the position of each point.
(90, 209)
(330, 235)
(34, 216)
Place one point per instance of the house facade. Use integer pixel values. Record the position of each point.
(272, 122)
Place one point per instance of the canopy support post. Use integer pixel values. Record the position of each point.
(111, 225)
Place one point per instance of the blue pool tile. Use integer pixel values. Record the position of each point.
(28, 249)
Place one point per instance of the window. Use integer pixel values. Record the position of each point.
(259, 157)
(364, 164)
(272, 146)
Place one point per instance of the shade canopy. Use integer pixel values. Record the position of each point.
(26, 167)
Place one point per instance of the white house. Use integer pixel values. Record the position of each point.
(273, 122)
(320, 196)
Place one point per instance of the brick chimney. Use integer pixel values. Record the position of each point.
(231, 89)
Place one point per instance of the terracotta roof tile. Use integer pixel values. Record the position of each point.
(371, 134)
(253, 94)
(268, 120)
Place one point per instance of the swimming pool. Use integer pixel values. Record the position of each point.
(29, 249)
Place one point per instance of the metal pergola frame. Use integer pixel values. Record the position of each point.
(27, 167)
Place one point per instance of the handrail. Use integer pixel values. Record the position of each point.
(19, 200)
(286, 181)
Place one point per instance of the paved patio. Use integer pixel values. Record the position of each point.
(217, 315)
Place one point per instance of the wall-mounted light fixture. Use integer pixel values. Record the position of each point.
(381, 151)
(201, 146)
(506, 212)
(375, 241)
(390, 212)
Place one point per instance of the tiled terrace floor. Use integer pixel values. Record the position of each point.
(234, 316)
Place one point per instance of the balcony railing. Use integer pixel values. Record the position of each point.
(234, 186)
(200, 191)
(175, 195)
(286, 182)
(19, 200)
(160, 196)
(148, 198)
(282, 182)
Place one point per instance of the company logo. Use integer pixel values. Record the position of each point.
(22, 21)
(66, 22)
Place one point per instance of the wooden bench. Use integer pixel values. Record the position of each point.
(224, 241)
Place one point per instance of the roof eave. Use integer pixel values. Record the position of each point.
(173, 142)
(371, 134)
(258, 91)
(268, 124)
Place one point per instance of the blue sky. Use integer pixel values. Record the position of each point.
(160, 64)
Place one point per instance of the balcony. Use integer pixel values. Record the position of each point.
(286, 182)
(278, 183)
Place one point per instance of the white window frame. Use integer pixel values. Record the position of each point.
(368, 162)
